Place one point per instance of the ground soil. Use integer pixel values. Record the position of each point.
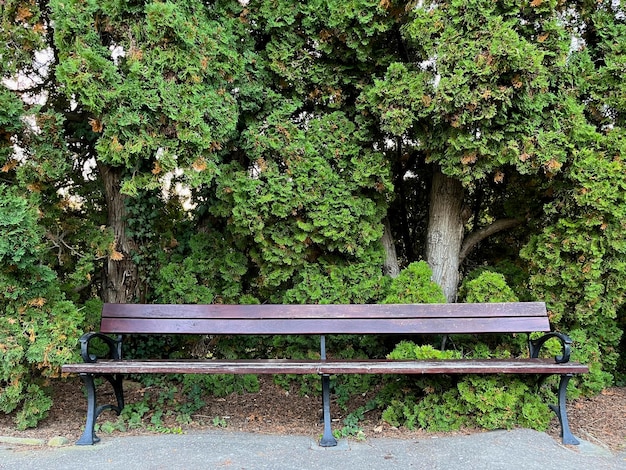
(600, 419)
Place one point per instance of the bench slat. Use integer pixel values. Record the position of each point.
(280, 366)
(325, 326)
(353, 311)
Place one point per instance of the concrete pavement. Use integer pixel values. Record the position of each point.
(216, 449)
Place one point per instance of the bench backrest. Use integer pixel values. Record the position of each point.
(516, 317)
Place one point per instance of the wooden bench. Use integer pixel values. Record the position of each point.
(413, 319)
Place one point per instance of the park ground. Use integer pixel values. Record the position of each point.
(272, 410)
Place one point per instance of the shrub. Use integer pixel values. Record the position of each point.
(446, 403)
(414, 284)
(488, 286)
(38, 328)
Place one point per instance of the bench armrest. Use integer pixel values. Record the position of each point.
(114, 344)
(535, 345)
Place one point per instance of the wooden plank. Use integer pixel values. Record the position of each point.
(325, 326)
(461, 366)
(357, 311)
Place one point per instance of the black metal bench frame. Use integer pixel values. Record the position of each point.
(411, 319)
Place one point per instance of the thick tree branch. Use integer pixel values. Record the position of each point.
(476, 237)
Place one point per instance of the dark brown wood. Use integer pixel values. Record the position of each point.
(283, 366)
(520, 317)
(515, 317)
(511, 309)
(324, 326)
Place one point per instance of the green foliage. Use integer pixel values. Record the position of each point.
(153, 346)
(204, 269)
(21, 236)
(345, 388)
(218, 385)
(449, 403)
(137, 415)
(219, 422)
(22, 33)
(166, 101)
(38, 328)
(502, 403)
(476, 87)
(588, 351)
(409, 350)
(414, 285)
(351, 426)
(446, 414)
(309, 208)
(37, 402)
(578, 261)
(336, 282)
(487, 402)
(173, 400)
(11, 110)
(487, 287)
(264, 144)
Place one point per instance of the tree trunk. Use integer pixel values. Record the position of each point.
(445, 232)
(120, 272)
(391, 266)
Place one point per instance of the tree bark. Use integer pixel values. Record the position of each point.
(391, 266)
(120, 272)
(445, 232)
(476, 237)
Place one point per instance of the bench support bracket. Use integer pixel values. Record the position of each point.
(93, 410)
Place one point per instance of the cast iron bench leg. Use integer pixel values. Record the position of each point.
(116, 383)
(328, 440)
(93, 411)
(561, 412)
(89, 435)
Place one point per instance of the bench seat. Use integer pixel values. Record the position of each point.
(288, 366)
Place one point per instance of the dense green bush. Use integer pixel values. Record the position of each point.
(488, 286)
(414, 284)
(447, 403)
(38, 327)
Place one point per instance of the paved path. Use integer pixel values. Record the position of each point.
(506, 450)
